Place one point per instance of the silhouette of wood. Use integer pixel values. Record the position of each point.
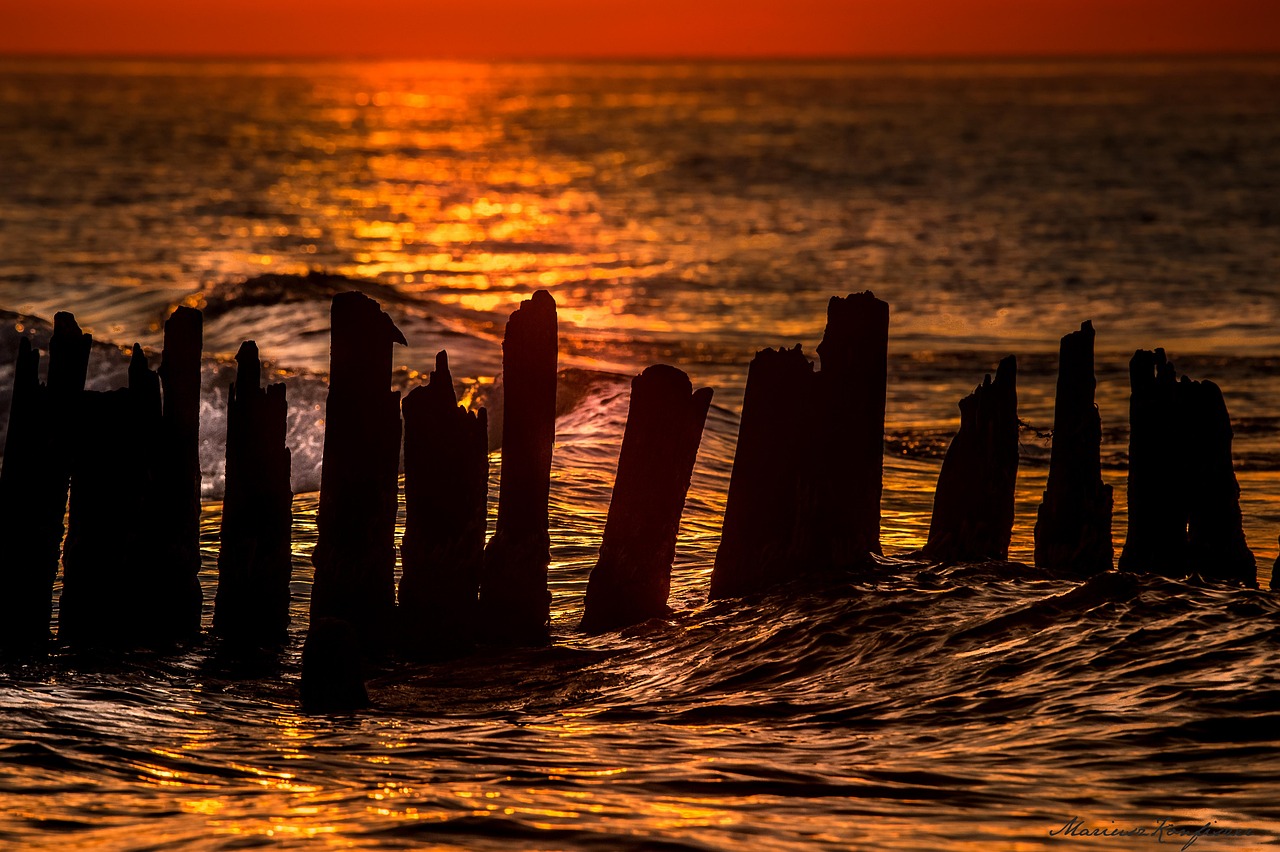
(973, 503)
(515, 604)
(113, 574)
(1216, 546)
(332, 668)
(774, 488)
(354, 556)
(1073, 526)
(177, 477)
(852, 386)
(632, 578)
(1156, 541)
(446, 489)
(255, 561)
(34, 482)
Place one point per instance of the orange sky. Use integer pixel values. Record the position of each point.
(658, 28)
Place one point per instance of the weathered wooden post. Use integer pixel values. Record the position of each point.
(113, 577)
(852, 387)
(34, 481)
(1156, 541)
(973, 504)
(255, 560)
(355, 551)
(177, 477)
(446, 490)
(632, 578)
(1216, 546)
(1073, 526)
(515, 604)
(773, 490)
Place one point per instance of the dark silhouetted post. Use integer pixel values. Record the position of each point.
(1156, 541)
(773, 489)
(1215, 534)
(514, 601)
(113, 583)
(177, 477)
(355, 551)
(446, 490)
(1073, 528)
(332, 668)
(973, 503)
(33, 483)
(632, 579)
(852, 384)
(255, 562)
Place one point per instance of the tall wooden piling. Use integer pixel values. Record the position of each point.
(354, 556)
(1073, 526)
(632, 578)
(850, 459)
(114, 579)
(774, 489)
(446, 490)
(255, 560)
(177, 476)
(515, 603)
(1156, 540)
(34, 482)
(973, 503)
(1216, 546)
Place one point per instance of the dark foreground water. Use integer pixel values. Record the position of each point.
(688, 215)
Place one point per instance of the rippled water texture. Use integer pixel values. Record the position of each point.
(687, 214)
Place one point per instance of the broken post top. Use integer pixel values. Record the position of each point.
(361, 337)
(141, 376)
(1078, 345)
(533, 324)
(68, 354)
(1148, 369)
(437, 395)
(248, 367)
(184, 331)
(770, 360)
(856, 321)
(1002, 390)
(670, 379)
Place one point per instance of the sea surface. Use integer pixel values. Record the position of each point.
(688, 214)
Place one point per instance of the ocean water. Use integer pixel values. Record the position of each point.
(687, 214)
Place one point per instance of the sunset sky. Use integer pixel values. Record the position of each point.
(653, 28)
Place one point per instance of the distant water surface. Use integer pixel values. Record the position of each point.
(688, 214)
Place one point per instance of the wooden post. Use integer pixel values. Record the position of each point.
(774, 489)
(1073, 527)
(973, 504)
(355, 551)
(852, 388)
(515, 604)
(1156, 541)
(113, 577)
(632, 579)
(177, 477)
(34, 481)
(446, 490)
(255, 561)
(1216, 546)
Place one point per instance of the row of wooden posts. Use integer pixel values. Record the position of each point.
(804, 494)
